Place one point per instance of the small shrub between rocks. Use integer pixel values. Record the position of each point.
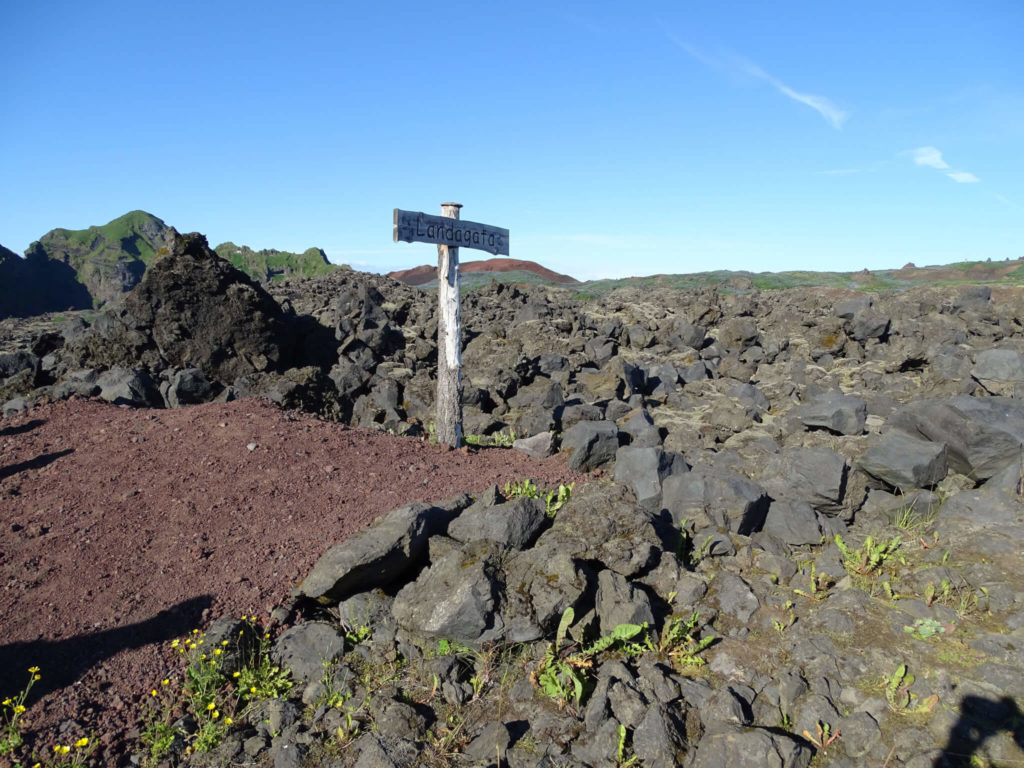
(825, 737)
(869, 558)
(901, 700)
(562, 674)
(209, 697)
(554, 500)
(677, 641)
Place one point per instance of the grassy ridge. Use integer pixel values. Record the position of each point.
(272, 264)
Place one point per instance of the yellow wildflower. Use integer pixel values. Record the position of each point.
(18, 709)
(228, 720)
(215, 714)
(33, 670)
(211, 705)
(82, 742)
(217, 652)
(165, 681)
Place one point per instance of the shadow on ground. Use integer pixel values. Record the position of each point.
(62, 662)
(980, 720)
(37, 463)
(28, 426)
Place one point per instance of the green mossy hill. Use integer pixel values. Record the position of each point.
(271, 264)
(110, 259)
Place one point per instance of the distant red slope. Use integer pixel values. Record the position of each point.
(426, 273)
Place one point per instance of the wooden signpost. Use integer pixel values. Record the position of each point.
(449, 233)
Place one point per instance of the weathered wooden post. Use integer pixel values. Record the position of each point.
(448, 407)
(448, 232)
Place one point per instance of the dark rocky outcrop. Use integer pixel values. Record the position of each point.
(191, 310)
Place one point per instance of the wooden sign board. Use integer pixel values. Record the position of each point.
(415, 227)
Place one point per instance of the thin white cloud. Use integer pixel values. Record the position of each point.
(823, 106)
(835, 116)
(930, 157)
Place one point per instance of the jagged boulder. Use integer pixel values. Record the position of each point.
(380, 554)
(191, 309)
(904, 461)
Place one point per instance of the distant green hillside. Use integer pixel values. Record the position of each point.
(85, 268)
(275, 265)
(110, 259)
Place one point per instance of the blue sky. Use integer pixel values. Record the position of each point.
(611, 139)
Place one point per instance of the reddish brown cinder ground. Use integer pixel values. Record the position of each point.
(122, 529)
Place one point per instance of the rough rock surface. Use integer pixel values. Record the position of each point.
(817, 490)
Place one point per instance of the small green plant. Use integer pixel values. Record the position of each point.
(209, 696)
(930, 592)
(498, 439)
(13, 710)
(622, 758)
(890, 593)
(562, 673)
(71, 755)
(522, 488)
(925, 629)
(553, 500)
(447, 647)
(259, 678)
(504, 439)
(781, 625)
(678, 642)
(907, 518)
(447, 740)
(358, 633)
(869, 558)
(347, 732)
(819, 585)
(897, 693)
(824, 738)
(688, 554)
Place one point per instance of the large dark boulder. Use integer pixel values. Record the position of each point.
(192, 309)
(982, 435)
(201, 311)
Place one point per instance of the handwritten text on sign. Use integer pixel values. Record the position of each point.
(415, 227)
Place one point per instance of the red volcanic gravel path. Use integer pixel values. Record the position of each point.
(121, 529)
